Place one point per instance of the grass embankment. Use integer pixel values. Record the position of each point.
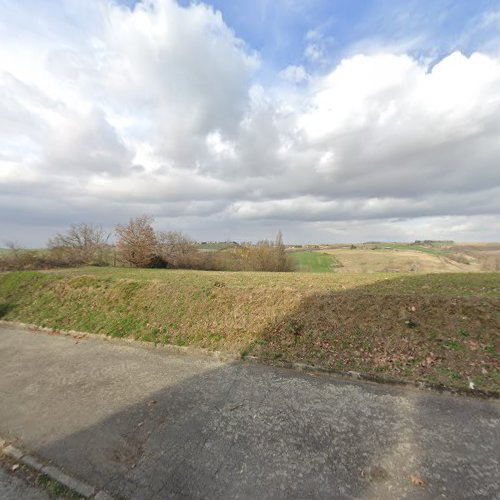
(440, 328)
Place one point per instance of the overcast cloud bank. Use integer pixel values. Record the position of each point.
(107, 112)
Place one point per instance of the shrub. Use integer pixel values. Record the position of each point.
(80, 244)
(177, 249)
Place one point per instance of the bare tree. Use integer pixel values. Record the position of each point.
(137, 243)
(176, 249)
(14, 247)
(282, 259)
(84, 243)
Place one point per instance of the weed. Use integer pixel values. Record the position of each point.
(406, 368)
(249, 348)
(180, 341)
(55, 488)
(367, 347)
(150, 336)
(451, 374)
(455, 345)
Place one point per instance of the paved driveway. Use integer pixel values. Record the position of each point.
(146, 423)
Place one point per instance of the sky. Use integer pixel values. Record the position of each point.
(330, 120)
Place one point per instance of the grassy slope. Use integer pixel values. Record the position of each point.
(441, 328)
(315, 262)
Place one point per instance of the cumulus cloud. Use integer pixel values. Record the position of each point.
(108, 111)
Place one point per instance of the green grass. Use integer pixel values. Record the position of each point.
(314, 262)
(355, 321)
(56, 489)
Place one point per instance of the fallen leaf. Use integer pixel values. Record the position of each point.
(416, 480)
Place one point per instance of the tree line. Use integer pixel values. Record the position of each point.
(139, 245)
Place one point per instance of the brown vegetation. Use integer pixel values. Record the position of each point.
(263, 256)
(27, 260)
(81, 244)
(486, 254)
(137, 243)
(140, 246)
(176, 249)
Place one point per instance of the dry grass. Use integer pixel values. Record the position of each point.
(442, 328)
(487, 255)
(396, 260)
(234, 279)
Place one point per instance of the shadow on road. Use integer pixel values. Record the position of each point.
(236, 431)
(243, 431)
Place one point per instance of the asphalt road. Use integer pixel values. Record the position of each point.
(146, 423)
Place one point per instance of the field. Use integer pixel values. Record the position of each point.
(399, 257)
(314, 262)
(395, 260)
(441, 328)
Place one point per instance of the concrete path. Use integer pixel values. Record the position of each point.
(145, 423)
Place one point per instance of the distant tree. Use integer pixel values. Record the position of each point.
(176, 249)
(265, 255)
(17, 258)
(13, 247)
(81, 243)
(283, 262)
(137, 243)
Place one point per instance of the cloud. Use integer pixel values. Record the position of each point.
(294, 74)
(108, 112)
(318, 45)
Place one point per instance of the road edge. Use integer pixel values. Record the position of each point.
(293, 365)
(55, 473)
